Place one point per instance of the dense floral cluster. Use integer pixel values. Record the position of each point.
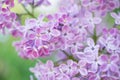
(6, 16)
(9, 3)
(85, 47)
(95, 53)
(83, 70)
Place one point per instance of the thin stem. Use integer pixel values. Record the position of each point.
(65, 53)
(69, 56)
(28, 12)
(95, 36)
(33, 7)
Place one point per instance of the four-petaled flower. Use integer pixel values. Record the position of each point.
(116, 17)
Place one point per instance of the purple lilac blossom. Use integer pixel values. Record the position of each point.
(72, 31)
(116, 17)
(7, 18)
(92, 60)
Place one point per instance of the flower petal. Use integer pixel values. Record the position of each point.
(94, 67)
(97, 20)
(104, 67)
(90, 42)
(55, 33)
(83, 71)
(114, 58)
(82, 63)
(114, 15)
(114, 67)
(103, 59)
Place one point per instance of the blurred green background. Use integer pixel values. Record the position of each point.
(12, 67)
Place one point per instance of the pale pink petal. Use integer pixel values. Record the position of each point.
(104, 67)
(80, 55)
(117, 21)
(45, 37)
(69, 62)
(37, 42)
(94, 67)
(90, 42)
(82, 63)
(114, 15)
(55, 33)
(114, 58)
(49, 64)
(103, 59)
(97, 20)
(83, 71)
(114, 67)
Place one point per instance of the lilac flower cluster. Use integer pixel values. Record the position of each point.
(81, 70)
(6, 16)
(100, 6)
(9, 3)
(66, 71)
(85, 47)
(90, 52)
(90, 65)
